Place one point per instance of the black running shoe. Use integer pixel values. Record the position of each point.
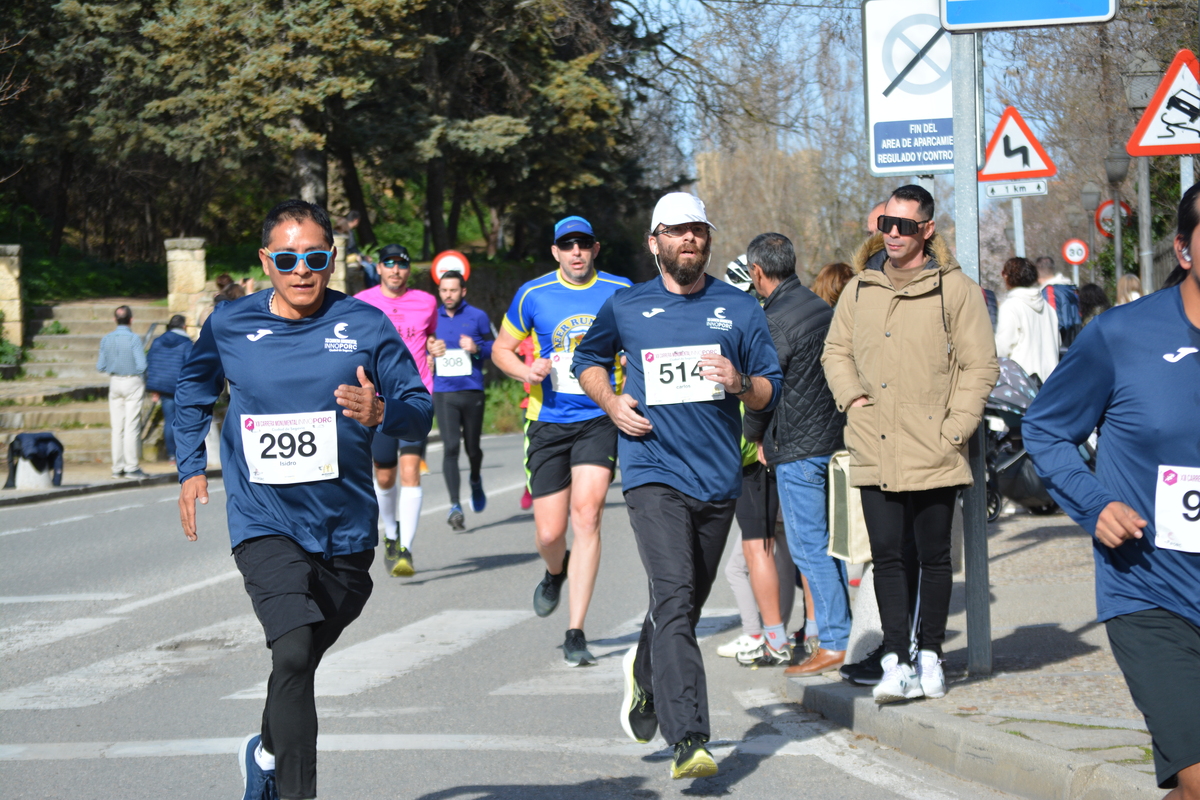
(867, 672)
(637, 708)
(692, 759)
(545, 596)
(575, 649)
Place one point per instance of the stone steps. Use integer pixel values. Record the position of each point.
(55, 416)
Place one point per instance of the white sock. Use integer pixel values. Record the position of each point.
(387, 509)
(410, 512)
(266, 761)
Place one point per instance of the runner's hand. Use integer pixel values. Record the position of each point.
(1118, 523)
(628, 421)
(360, 401)
(192, 490)
(437, 348)
(467, 343)
(718, 368)
(538, 370)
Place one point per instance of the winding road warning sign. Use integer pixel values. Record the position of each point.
(1014, 153)
(1171, 122)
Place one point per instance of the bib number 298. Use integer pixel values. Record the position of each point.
(304, 444)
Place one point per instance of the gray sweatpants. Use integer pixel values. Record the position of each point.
(738, 575)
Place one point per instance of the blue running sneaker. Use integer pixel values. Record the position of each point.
(478, 498)
(258, 783)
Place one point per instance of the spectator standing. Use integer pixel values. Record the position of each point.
(1063, 297)
(797, 438)
(166, 358)
(1027, 329)
(1129, 288)
(831, 280)
(1134, 372)
(122, 357)
(911, 359)
(1092, 301)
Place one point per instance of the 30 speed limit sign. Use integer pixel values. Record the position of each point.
(1075, 251)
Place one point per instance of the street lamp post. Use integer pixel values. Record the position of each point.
(1090, 197)
(1141, 78)
(1116, 168)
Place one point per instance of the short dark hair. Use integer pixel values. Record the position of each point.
(1186, 222)
(919, 195)
(1018, 271)
(124, 315)
(353, 216)
(774, 253)
(1045, 265)
(176, 322)
(296, 211)
(1092, 299)
(453, 273)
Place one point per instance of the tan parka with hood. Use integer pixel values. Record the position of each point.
(924, 357)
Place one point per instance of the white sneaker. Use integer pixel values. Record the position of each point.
(741, 644)
(933, 680)
(900, 681)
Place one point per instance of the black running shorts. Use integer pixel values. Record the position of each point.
(552, 448)
(1159, 652)
(386, 450)
(290, 587)
(758, 507)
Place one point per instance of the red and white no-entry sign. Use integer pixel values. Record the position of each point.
(1104, 217)
(1075, 251)
(450, 261)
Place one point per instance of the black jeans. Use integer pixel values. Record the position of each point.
(680, 540)
(459, 412)
(894, 520)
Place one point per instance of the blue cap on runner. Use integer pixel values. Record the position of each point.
(572, 225)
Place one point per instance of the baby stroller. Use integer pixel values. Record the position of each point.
(1010, 470)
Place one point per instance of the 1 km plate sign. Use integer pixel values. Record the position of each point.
(909, 99)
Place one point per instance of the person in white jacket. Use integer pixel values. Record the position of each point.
(1026, 326)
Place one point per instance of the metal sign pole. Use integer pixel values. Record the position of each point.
(1018, 217)
(964, 75)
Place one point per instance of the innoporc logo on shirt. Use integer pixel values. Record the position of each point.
(718, 321)
(340, 342)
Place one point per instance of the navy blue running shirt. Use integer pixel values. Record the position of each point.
(694, 447)
(282, 366)
(1134, 371)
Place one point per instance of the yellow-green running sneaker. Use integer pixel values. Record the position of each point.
(692, 759)
(403, 567)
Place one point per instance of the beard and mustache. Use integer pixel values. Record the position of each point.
(681, 274)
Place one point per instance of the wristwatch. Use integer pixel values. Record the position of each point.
(746, 384)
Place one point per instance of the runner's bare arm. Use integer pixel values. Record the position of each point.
(191, 491)
(504, 356)
(619, 407)
(360, 401)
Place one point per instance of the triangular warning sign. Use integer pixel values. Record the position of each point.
(1014, 153)
(1171, 123)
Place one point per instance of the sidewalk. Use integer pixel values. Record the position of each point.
(88, 478)
(1055, 720)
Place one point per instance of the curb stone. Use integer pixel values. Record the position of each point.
(94, 488)
(973, 751)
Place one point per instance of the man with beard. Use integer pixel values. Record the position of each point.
(695, 347)
(414, 313)
(570, 445)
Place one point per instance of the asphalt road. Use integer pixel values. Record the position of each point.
(133, 666)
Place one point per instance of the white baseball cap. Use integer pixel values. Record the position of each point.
(678, 208)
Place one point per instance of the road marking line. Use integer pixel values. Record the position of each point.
(605, 676)
(355, 743)
(64, 598)
(377, 661)
(490, 493)
(176, 592)
(120, 675)
(809, 734)
(78, 518)
(38, 633)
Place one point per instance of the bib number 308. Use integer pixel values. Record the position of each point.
(1177, 509)
(290, 448)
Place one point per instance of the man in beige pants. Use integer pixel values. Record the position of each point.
(124, 359)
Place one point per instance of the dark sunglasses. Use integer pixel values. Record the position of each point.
(395, 263)
(584, 242)
(315, 260)
(908, 227)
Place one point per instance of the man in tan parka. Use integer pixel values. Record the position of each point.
(911, 359)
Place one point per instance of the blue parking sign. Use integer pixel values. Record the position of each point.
(969, 15)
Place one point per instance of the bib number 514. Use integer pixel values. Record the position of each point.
(666, 372)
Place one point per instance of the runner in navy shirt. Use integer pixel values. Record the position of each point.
(1135, 373)
(312, 373)
(463, 342)
(695, 346)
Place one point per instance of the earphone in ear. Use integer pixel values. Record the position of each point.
(1186, 255)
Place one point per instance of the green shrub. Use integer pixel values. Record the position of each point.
(502, 412)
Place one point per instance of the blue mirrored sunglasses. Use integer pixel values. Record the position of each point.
(315, 260)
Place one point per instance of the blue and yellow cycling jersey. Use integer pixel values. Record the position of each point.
(557, 314)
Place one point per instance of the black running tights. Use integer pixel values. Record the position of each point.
(459, 412)
(895, 519)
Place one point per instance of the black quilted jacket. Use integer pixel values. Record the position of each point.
(806, 422)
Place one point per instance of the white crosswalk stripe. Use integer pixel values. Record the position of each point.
(605, 676)
(120, 675)
(38, 633)
(377, 661)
